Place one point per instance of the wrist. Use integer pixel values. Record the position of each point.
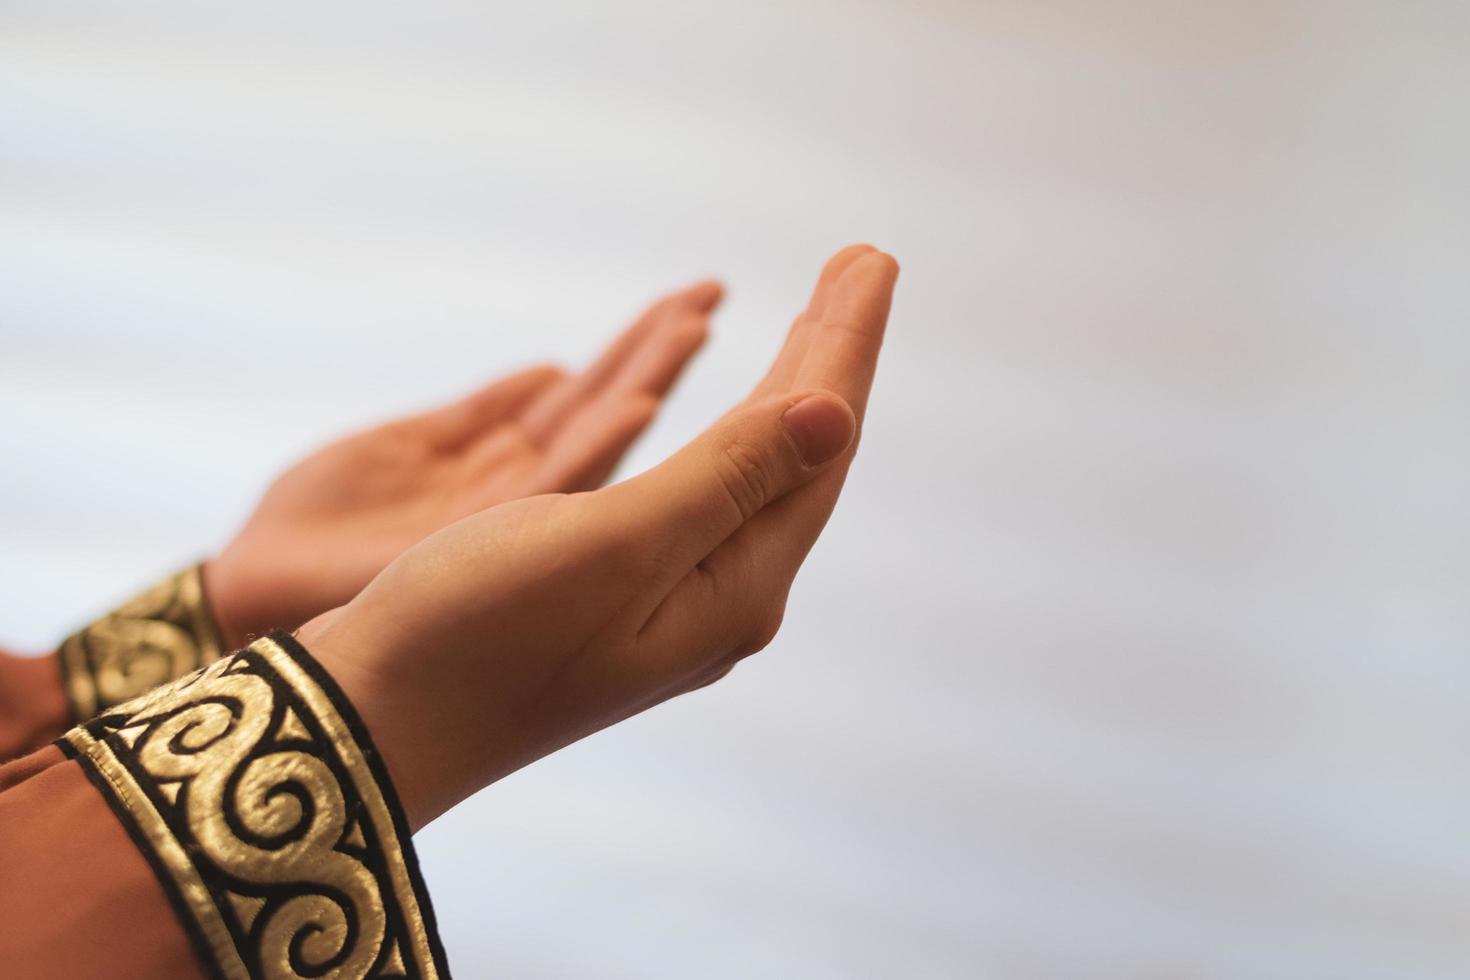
(346, 654)
(231, 601)
(252, 591)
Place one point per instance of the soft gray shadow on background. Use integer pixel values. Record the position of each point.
(1138, 645)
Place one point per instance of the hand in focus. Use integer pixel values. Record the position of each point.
(335, 520)
(523, 628)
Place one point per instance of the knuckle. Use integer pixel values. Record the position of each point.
(746, 476)
(623, 543)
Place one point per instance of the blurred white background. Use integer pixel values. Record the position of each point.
(1138, 645)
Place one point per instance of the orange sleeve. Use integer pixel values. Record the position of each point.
(77, 897)
(33, 709)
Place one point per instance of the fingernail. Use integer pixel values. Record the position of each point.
(821, 426)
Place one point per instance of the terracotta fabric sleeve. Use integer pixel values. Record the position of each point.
(234, 823)
(77, 897)
(156, 637)
(33, 709)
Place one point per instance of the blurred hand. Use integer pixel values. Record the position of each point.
(523, 628)
(335, 520)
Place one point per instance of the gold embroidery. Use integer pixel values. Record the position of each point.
(266, 817)
(150, 640)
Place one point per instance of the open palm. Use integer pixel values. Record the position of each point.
(329, 524)
(524, 627)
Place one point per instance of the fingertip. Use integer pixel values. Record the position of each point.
(832, 273)
(848, 254)
(704, 295)
(874, 263)
(545, 372)
(836, 267)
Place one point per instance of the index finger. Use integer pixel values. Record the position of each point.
(788, 362)
(843, 355)
(746, 577)
(550, 411)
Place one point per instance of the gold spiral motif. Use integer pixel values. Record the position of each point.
(152, 639)
(271, 824)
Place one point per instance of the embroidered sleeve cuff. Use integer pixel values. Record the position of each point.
(155, 638)
(255, 792)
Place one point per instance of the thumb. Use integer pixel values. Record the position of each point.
(702, 494)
